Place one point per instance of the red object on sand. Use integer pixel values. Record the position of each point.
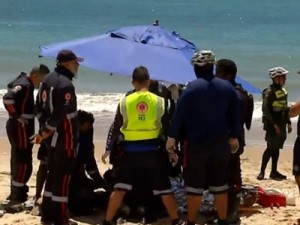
(270, 198)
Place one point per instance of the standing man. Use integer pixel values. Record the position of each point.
(209, 112)
(58, 110)
(139, 121)
(19, 103)
(226, 69)
(295, 111)
(276, 121)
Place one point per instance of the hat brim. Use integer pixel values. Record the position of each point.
(79, 59)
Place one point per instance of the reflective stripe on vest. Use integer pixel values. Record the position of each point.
(141, 112)
(280, 104)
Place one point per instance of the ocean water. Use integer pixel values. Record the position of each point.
(257, 35)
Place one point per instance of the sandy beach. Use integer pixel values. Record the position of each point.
(250, 165)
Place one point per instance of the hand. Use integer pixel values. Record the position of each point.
(22, 121)
(289, 128)
(234, 145)
(36, 139)
(173, 158)
(277, 129)
(171, 144)
(104, 156)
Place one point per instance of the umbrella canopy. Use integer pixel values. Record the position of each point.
(165, 54)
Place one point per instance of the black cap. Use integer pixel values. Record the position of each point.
(67, 55)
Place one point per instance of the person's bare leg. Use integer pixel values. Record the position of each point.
(297, 179)
(193, 205)
(221, 203)
(40, 180)
(115, 201)
(170, 204)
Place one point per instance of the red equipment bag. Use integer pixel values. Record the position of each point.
(270, 198)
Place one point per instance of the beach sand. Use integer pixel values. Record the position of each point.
(250, 165)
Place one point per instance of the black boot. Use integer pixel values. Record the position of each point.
(275, 175)
(18, 195)
(260, 176)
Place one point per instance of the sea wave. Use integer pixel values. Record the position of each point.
(103, 104)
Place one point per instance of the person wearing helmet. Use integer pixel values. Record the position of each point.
(275, 119)
(211, 135)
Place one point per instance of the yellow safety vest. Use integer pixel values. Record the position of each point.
(280, 103)
(141, 112)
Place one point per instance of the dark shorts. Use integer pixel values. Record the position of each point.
(296, 157)
(42, 152)
(207, 166)
(274, 140)
(147, 168)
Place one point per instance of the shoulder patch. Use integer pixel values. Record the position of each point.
(67, 96)
(44, 96)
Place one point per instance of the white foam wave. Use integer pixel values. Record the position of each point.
(98, 103)
(106, 103)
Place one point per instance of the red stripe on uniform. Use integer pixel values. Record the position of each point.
(11, 108)
(71, 134)
(20, 141)
(24, 173)
(64, 193)
(25, 137)
(67, 139)
(20, 173)
(66, 134)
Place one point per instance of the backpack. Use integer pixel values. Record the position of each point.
(248, 105)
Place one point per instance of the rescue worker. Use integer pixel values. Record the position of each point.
(155, 87)
(140, 198)
(139, 120)
(208, 111)
(82, 198)
(58, 110)
(226, 69)
(19, 103)
(276, 121)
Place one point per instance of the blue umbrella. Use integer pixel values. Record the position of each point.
(166, 55)
(246, 85)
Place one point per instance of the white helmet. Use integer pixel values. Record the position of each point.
(277, 71)
(203, 57)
